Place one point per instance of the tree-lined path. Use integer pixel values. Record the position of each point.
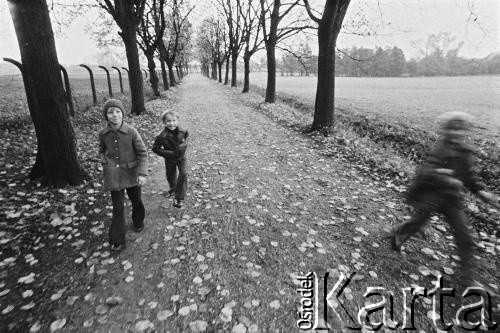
(264, 203)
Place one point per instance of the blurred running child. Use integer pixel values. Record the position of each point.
(438, 187)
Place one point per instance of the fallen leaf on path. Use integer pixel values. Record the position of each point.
(143, 325)
(184, 311)
(275, 304)
(198, 326)
(226, 314)
(163, 315)
(58, 324)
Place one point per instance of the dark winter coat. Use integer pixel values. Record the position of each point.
(171, 145)
(124, 157)
(431, 188)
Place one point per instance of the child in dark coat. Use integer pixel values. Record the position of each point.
(171, 144)
(438, 187)
(125, 166)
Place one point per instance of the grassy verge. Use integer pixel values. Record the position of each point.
(387, 150)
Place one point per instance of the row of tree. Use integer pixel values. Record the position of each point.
(249, 26)
(160, 28)
(243, 27)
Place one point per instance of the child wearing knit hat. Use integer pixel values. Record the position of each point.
(125, 165)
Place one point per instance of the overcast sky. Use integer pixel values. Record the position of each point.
(397, 23)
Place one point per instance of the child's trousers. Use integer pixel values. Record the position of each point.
(177, 177)
(117, 229)
(456, 219)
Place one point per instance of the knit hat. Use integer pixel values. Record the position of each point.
(110, 103)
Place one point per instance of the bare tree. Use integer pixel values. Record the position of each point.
(211, 45)
(185, 50)
(127, 15)
(251, 36)
(230, 11)
(56, 159)
(206, 44)
(275, 30)
(329, 26)
(178, 30)
(227, 55)
(221, 52)
(150, 33)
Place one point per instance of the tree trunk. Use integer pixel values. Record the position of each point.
(226, 78)
(219, 66)
(129, 37)
(56, 162)
(325, 91)
(214, 70)
(234, 68)
(271, 71)
(246, 80)
(328, 31)
(163, 73)
(272, 40)
(153, 78)
(171, 75)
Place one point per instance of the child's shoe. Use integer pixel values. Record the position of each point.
(396, 240)
(178, 203)
(117, 247)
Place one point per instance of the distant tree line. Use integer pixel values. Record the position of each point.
(436, 60)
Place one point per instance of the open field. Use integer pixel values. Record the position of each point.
(417, 100)
(13, 98)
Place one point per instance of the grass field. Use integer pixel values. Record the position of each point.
(417, 100)
(13, 98)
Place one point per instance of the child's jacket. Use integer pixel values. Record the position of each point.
(124, 157)
(431, 188)
(171, 145)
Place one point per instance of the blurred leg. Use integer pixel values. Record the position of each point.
(458, 222)
(408, 229)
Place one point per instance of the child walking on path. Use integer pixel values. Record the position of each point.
(438, 187)
(125, 166)
(171, 144)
